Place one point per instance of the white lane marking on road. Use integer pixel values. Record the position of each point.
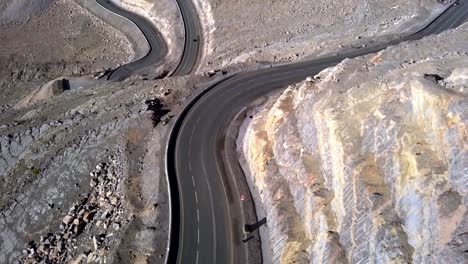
(194, 186)
(191, 136)
(453, 19)
(456, 20)
(300, 70)
(193, 132)
(198, 235)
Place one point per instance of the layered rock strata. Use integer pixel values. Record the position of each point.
(367, 162)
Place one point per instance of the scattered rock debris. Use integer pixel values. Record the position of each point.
(85, 231)
(163, 75)
(159, 110)
(212, 73)
(433, 77)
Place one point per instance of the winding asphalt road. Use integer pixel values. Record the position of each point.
(193, 39)
(157, 46)
(206, 204)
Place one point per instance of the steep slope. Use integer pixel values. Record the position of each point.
(52, 38)
(367, 161)
(96, 150)
(248, 32)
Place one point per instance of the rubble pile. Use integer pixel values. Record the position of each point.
(86, 230)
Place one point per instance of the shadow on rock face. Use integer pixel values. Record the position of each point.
(159, 110)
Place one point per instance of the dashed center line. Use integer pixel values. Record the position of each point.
(196, 197)
(193, 181)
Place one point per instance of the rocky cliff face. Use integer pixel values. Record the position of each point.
(368, 162)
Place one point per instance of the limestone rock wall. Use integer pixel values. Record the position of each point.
(368, 162)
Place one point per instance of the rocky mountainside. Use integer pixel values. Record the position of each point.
(248, 32)
(43, 40)
(81, 174)
(367, 162)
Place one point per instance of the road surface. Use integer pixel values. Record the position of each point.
(205, 202)
(193, 39)
(157, 46)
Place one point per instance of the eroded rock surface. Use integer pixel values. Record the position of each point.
(367, 162)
